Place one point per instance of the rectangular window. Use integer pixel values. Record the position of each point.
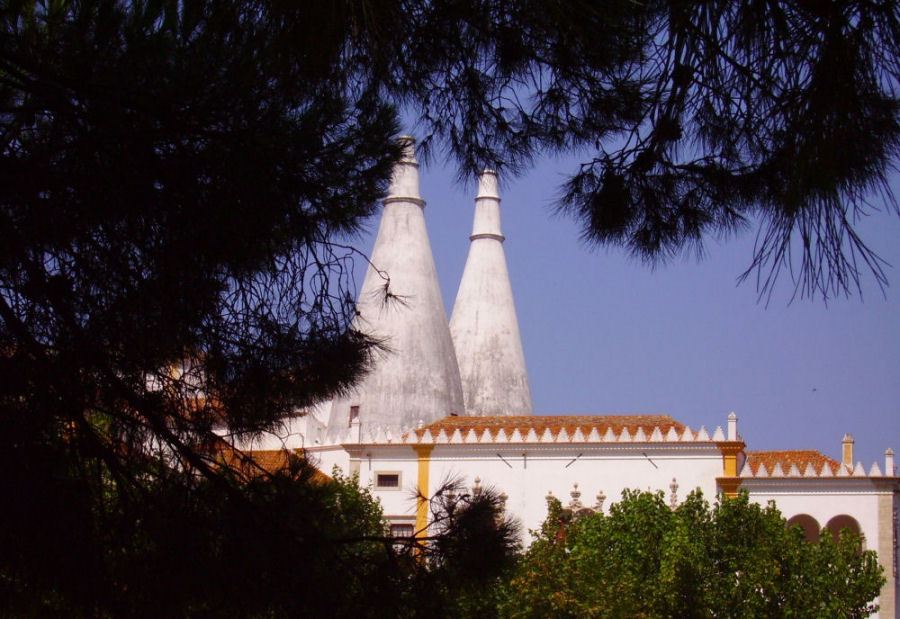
(387, 481)
(402, 530)
(354, 414)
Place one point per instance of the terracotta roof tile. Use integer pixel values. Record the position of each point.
(259, 461)
(800, 457)
(554, 423)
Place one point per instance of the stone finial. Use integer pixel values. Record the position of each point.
(575, 503)
(488, 185)
(732, 426)
(673, 497)
(405, 178)
(601, 497)
(847, 451)
(549, 496)
(476, 488)
(503, 498)
(889, 469)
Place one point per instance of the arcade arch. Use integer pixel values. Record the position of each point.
(808, 524)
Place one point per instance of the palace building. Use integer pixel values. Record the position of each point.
(450, 400)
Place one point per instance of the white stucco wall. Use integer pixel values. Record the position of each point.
(823, 499)
(326, 458)
(527, 472)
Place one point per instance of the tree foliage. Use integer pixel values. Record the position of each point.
(736, 559)
(173, 176)
(467, 552)
(695, 119)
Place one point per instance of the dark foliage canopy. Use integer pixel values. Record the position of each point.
(173, 177)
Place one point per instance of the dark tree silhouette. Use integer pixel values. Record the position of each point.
(697, 119)
(173, 176)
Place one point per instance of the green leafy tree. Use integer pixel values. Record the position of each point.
(736, 559)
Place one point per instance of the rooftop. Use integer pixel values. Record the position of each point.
(554, 423)
(786, 458)
(258, 462)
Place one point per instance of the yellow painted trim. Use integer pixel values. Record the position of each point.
(424, 454)
(729, 486)
(729, 465)
(730, 482)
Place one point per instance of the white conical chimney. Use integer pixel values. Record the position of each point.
(484, 327)
(418, 378)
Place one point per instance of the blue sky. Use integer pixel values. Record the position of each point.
(604, 333)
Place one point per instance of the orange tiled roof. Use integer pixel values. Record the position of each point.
(554, 423)
(800, 457)
(260, 461)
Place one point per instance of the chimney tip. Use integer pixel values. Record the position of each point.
(408, 143)
(488, 186)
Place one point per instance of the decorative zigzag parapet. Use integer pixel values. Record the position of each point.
(547, 436)
(531, 435)
(793, 464)
(803, 464)
(544, 435)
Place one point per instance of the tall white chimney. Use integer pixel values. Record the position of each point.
(484, 326)
(417, 378)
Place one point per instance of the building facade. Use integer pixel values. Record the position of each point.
(451, 401)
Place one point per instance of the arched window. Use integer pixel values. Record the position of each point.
(809, 525)
(839, 523)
